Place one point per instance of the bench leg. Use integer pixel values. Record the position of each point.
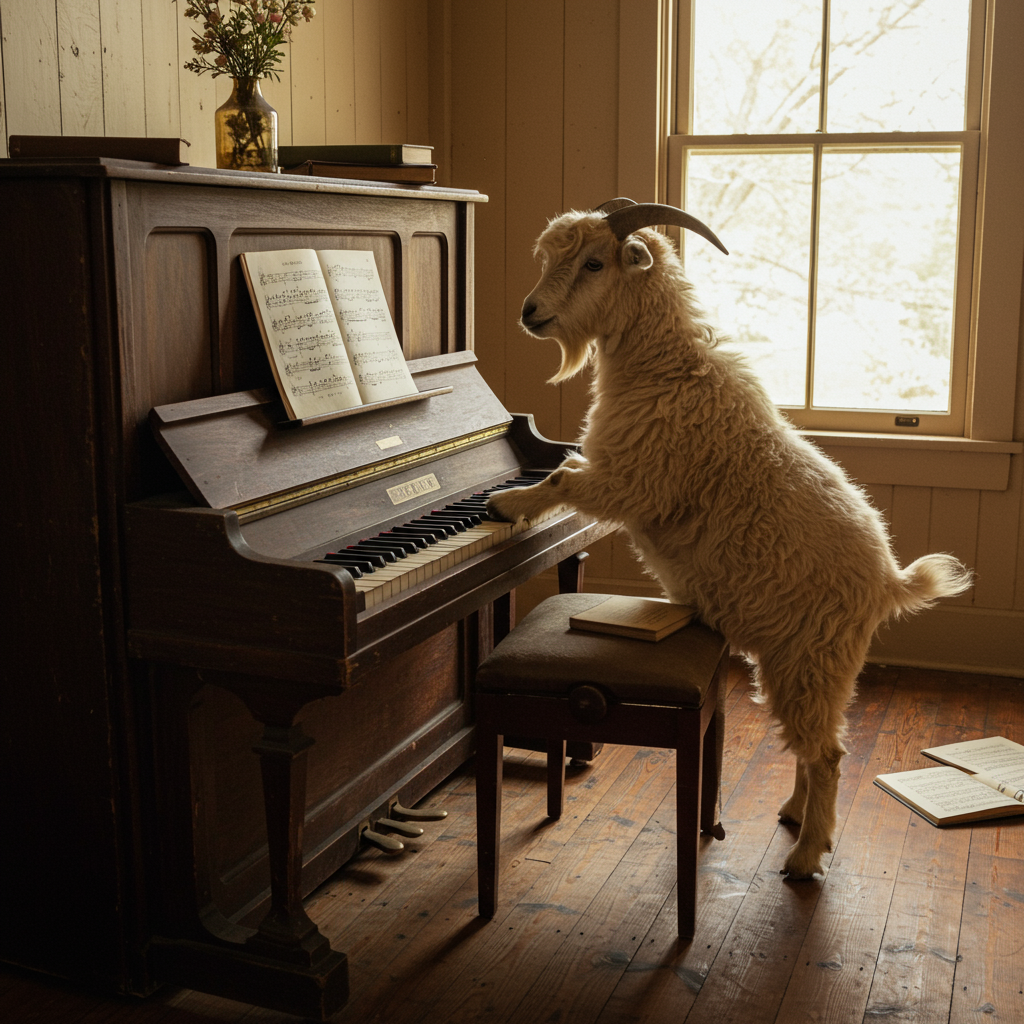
(556, 777)
(689, 761)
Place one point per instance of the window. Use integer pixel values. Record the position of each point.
(834, 146)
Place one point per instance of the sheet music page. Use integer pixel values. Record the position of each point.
(306, 348)
(364, 317)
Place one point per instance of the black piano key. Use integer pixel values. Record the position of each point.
(392, 547)
(476, 509)
(354, 571)
(469, 517)
(468, 503)
(439, 529)
(460, 520)
(411, 544)
(421, 532)
(448, 519)
(365, 562)
(363, 547)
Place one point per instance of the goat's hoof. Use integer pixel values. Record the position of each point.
(496, 508)
(787, 818)
(800, 868)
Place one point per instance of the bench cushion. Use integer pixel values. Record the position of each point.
(543, 655)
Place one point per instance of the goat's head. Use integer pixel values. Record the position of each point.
(586, 258)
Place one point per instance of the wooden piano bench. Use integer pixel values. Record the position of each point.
(552, 682)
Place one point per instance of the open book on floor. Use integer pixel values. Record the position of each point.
(980, 779)
(642, 618)
(327, 329)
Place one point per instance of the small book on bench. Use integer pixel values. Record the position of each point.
(641, 618)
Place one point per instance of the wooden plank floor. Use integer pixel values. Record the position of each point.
(912, 923)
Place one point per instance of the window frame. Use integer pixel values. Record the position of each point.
(985, 337)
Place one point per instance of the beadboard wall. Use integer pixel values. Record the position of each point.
(356, 73)
(543, 105)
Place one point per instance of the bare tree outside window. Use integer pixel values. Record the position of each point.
(842, 279)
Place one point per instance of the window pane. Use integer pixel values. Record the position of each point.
(759, 205)
(887, 256)
(897, 66)
(757, 66)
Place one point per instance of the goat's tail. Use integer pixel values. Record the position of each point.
(923, 582)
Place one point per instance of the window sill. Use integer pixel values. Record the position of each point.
(920, 460)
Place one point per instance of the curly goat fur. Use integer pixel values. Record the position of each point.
(727, 506)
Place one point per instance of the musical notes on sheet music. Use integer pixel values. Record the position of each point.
(322, 316)
(316, 387)
(315, 364)
(303, 320)
(301, 333)
(366, 321)
(291, 297)
(271, 280)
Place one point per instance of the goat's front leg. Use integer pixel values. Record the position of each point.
(565, 487)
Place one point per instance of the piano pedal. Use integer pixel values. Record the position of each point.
(414, 814)
(389, 844)
(401, 827)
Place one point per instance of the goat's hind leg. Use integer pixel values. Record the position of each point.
(819, 818)
(809, 703)
(792, 811)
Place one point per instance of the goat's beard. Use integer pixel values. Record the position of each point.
(575, 356)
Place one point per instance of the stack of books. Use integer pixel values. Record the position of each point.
(403, 163)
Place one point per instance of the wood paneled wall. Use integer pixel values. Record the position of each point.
(356, 73)
(543, 105)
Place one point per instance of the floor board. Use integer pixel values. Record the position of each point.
(910, 924)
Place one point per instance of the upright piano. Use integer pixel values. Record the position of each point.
(238, 642)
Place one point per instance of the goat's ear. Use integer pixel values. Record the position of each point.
(635, 255)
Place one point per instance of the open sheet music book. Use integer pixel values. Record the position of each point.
(981, 779)
(327, 329)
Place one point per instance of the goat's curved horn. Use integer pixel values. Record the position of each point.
(615, 204)
(627, 219)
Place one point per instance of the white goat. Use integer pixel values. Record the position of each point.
(726, 505)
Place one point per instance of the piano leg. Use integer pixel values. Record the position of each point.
(286, 964)
(286, 932)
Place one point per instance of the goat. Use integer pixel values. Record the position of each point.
(726, 505)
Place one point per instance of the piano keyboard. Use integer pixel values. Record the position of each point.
(394, 560)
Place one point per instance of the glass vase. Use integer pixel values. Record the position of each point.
(246, 126)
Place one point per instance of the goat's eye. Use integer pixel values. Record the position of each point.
(594, 265)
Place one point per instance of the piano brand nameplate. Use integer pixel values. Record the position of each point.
(413, 489)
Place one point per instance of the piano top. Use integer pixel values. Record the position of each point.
(185, 174)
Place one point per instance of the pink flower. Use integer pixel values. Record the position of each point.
(221, 60)
(275, 18)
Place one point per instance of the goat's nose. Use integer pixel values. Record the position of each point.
(529, 308)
